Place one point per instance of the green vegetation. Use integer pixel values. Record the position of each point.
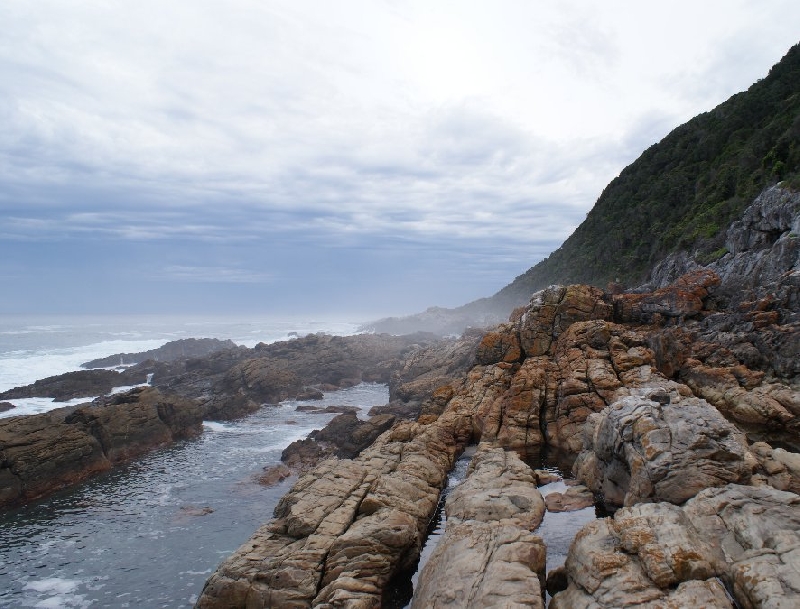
(683, 192)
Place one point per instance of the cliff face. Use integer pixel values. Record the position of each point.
(645, 390)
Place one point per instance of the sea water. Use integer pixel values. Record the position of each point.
(148, 534)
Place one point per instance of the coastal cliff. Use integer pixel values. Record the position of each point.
(666, 400)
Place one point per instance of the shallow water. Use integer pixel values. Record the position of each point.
(150, 533)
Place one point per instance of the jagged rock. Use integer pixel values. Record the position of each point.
(488, 556)
(639, 449)
(661, 555)
(555, 309)
(683, 299)
(500, 345)
(42, 453)
(734, 391)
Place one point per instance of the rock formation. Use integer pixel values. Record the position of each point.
(741, 539)
(652, 393)
(171, 351)
(488, 556)
(46, 452)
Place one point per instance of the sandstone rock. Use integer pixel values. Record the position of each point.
(488, 555)
(553, 310)
(778, 467)
(661, 555)
(646, 556)
(574, 498)
(641, 450)
(346, 528)
(500, 345)
(481, 564)
(499, 488)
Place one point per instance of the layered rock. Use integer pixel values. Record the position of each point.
(661, 555)
(488, 555)
(46, 452)
(346, 528)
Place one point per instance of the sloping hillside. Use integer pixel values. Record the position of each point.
(680, 194)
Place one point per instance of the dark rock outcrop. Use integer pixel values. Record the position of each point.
(6, 406)
(79, 384)
(174, 350)
(42, 453)
(661, 555)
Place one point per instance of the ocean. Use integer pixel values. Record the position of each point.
(148, 534)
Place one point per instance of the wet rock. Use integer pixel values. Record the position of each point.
(6, 406)
(641, 450)
(79, 384)
(271, 476)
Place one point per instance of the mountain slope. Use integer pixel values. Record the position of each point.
(684, 191)
(681, 194)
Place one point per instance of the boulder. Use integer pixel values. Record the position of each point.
(574, 498)
(661, 447)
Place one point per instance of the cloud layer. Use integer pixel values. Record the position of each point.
(353, 157)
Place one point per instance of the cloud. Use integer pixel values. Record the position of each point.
(250, 142)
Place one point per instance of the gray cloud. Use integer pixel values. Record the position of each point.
(251, 143)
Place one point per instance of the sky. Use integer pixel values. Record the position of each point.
(352, 158)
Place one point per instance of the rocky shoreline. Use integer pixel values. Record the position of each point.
(42, 453)
(679, 403)
(659, 395)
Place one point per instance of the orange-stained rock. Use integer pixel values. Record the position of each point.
(501, 345)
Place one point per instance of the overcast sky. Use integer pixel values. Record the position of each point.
(321, 157)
